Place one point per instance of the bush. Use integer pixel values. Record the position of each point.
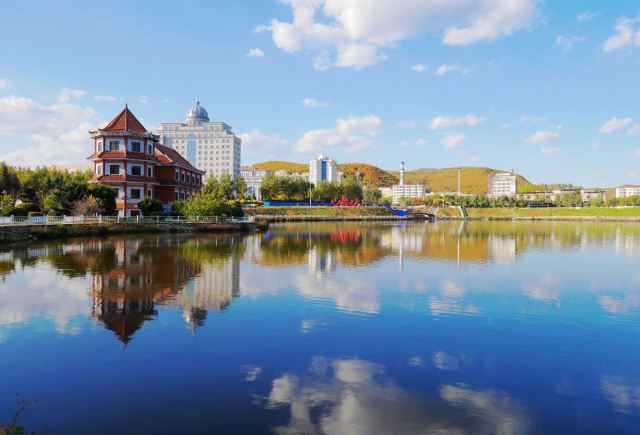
(206, 204)
(15, 211)
(88, 206)
(177, 208)
(30, 207)
(150, 207)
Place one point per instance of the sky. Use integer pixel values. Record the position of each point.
(548, 88)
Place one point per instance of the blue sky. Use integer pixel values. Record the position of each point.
(550, 89)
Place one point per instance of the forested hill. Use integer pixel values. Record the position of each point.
(473, 179)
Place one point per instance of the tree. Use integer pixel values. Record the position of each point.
(205, 204)
(105, 196)
(9, 182)
(89, 206)
(350, 189)
(150, 206)
(240, 188)
(371, 195)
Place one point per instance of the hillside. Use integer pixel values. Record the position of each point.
(474, 179)
(280, 165)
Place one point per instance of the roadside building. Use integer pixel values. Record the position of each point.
(627, 190)
(130, 160)
(253, 179)
(210, 145)
(402, 190)
(323, 169)
(502, 184)
(592, 194)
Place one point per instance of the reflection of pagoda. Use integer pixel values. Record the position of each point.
(126, 296)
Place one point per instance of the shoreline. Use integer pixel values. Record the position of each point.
(26, 233)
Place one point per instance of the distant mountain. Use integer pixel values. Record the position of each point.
(473, 179)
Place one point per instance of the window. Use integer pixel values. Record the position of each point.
(114, 145)
(136, 170)
(150, 149)
(149, 193)
(114, 169)
(136, 193)
(117, 191)
(181, 176)
(177, 196)
(100, 146)
(177, 176)
(136, 147)
(149, 173)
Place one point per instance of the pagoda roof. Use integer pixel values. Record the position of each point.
(126, 121)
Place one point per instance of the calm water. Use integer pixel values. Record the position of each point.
(471, 328)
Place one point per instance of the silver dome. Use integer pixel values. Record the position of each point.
(197, 114)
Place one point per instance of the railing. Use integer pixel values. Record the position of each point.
(70, 220)
(326, 217)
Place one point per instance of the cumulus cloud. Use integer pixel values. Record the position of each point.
(453, 140)
(568, 42)
(67, 94)
(310, 102)
(354, 33)
(551, 151)
(409, 124)
(256, 143)
(442, 122)
(448, 68)
(615, 124)
(626, 34)
(541, 136)
(634, 131)
(352, 134)
(419, 68)
(421, 141)
(5, 83)
(44, 134)
(254, 52)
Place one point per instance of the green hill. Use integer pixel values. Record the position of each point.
(473, 179)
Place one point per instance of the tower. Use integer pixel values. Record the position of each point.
(402, 173)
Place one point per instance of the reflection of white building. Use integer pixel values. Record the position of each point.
(208, 145)
(321, 261)
(502, 250)
(502, 184)
(253, 178)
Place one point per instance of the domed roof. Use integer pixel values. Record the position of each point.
(197, 113)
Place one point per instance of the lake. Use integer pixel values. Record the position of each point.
(337, 328)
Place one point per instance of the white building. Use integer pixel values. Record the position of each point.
(627, 191)
(502, 184)
(253, 179)
(323, 169)
(402, 190)
(208, 145)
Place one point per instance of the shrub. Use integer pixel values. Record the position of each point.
(150, 207)
(88, 206)
(15, 211)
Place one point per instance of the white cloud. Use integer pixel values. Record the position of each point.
(447, 68)
(105, 98)
(419, 67)
(568, 42)
(633, 131)
(542, 137)
(409, 124)
(587, 15)
(532, 119)
(352, 133)
(354, 33)
(551, 151)
(615, 124)
(254, 52)
(5, 83)
(44, 134)
(453, 140)
(636, 153)
(421, 141)
(310, 102)
(626, 34)
(256, 143)
(440, 122)
(67, 94)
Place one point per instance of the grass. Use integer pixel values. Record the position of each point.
(561, 212)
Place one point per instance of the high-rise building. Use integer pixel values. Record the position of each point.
(323, 169)
(209, 145)
(502, 184)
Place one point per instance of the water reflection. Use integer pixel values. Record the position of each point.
(354, 396)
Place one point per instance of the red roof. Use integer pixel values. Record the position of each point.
(126, 121)
(169, 155)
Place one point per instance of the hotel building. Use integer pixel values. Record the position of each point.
(210, 145)
(130, 160)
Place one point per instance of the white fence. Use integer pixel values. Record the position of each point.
(70, 220)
